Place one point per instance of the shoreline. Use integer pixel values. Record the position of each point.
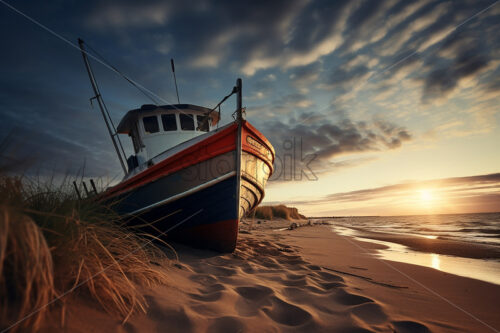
(466, 259)
(309, 278)
(435, 245)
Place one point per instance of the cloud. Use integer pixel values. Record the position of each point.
(491, 181)
(129, 15)
(302, 77)
(345, 78)
(266, 34)
(479, 193)
(361, 21)
(293, 101)
(263, 87)
(411, 28)
(290, 48)
(321, 141)
(469, 60)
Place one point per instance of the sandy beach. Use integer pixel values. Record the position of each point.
(309, 279)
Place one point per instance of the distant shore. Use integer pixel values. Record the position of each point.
(306, 279)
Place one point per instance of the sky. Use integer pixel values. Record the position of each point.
(374, 107)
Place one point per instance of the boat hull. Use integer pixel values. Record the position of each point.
(193, 195)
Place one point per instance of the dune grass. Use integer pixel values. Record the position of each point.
(279, 211)
(53, 245)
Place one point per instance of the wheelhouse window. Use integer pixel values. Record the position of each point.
(151, 124)
(187, 121)
(169, 122)
(202, 123)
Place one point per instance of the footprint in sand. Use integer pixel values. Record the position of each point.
(252, 299)
(370, 313)
(209, 297)
(226, 325)
(203, 279)
(254, 293)
(331, 285)
(212, 288)
(316, 290)
(345, 298)
(286, 313)
(407, 326)
(176, 319)
(313, 267)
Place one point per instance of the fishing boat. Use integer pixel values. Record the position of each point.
(189, 178)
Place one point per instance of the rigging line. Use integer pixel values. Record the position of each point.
(449, 32)
(87, 53)
(234, 91)
(401, 60)
(122, 74)
(52, 32)
(99, 95)
(139, 87)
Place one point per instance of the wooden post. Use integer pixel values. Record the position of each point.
(93, 186)
(76, 190)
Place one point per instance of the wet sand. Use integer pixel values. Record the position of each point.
(308, 279)
(438, 245)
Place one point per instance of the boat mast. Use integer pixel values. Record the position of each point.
(239, 120)
(107, 119)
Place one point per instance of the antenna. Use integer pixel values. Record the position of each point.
(239, 106)
(175, 79)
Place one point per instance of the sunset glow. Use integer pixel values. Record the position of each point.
(426, 196)
(377, 107)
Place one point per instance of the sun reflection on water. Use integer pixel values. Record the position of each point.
(430, 236)
(435, 261)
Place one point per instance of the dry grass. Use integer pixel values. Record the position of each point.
(26, 269)
(51, 243)
(279, 211)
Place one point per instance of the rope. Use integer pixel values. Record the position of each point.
(121, 74)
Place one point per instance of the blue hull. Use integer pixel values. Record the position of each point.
(206, 218)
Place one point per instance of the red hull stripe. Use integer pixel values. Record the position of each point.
(262, 148)
(217, 144)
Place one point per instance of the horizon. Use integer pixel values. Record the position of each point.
(372, 106)
(345, 216)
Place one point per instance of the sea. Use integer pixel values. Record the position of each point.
(483, 228)
(475, 228)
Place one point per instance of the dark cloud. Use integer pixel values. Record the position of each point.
(317, 22)
(346, 78)
(468, 59)
(301, 44)
(304, 76)
(323, 141)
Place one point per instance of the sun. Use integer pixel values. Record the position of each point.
(426, 195)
